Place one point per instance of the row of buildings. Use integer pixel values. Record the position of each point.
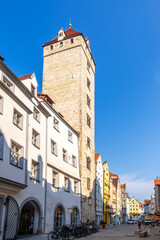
(49, 172)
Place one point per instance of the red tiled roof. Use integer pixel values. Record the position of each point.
(96, 156)
(1, 58)
(156, 182)
(146, 201)
(69, 33)
(112, 174)
(45, 97)
(25, 77)
(123, 185)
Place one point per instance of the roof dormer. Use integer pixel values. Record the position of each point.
(61, 34)
(30, 82)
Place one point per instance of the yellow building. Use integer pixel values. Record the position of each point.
(106, 199)
(134, 210)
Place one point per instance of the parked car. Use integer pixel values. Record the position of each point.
(148, 221)
(130, 221)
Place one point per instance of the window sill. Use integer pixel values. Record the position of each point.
(35, 145)
(56, 129)
(70, 141)
(54, 154)
(16, 165)
(67, 191)
(89, 169)
(65, 161)
(37, 120)
(34, 179)
(17, 126)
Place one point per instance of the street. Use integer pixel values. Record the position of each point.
(113, 233)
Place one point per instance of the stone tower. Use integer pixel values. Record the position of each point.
(68, 78)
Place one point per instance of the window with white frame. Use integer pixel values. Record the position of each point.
(74, 161)
(66, 184)
(17, 119)
(16, 155)
(35, 170)
(75, 187)
(54, 179)
(55, 123)
(35, 138)
(70, 136)
(7, 82)
(1, 105)
(64, 152)
(54, 148)
(36, 114)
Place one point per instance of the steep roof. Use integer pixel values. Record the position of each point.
(69, 33)
(26, 76)
(96, 156)
(156, 182)
(112, 174)
(45, 97)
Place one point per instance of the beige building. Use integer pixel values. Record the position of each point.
(68, 78)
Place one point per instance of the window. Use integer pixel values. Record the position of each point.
(136, 209)
(36, 114)
(51, 47)
(55, 179)
(1, 145)
(70, 135)
(88, 83)
(65, 155)
(55, 124)
(66, 184)
(61, 44)
(75, 187)
(88, 142)
(1, 105)
(59, 217)
(89, 163)
(35, 170)
(54, 147)
(88, 65)
(74, 161)
(7, 82)
(17, 119)
(72, 41)
(88, 101)
(16, 152)
(88, 121)
(88, 183)
(35, 138)
(32, 89)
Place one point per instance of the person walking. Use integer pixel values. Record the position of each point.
(139, 225)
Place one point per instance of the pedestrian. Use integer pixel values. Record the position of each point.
(139, 225)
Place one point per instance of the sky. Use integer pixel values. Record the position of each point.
(124, 38)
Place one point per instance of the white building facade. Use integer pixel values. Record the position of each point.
(39, 164)
(99, 188)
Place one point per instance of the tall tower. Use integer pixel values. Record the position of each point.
(68, 78)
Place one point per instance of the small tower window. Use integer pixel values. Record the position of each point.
(72, 41)
(61, 44)
(51, 47)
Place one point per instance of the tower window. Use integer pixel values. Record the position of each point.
(72, 41)
(61, 44)
(88, 183)
(51, 47)
(88, 101)
(88, 163)
(88, 83)
(88, 142)
(88, 121)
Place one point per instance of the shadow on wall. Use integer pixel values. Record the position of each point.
(24, 194)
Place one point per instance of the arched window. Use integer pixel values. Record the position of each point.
(58, 217)
(75, 217)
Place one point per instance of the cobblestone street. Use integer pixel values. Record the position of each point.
(113, 233)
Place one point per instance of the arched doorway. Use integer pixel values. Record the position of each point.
(75, 217)
(29, 218)
(59, 217)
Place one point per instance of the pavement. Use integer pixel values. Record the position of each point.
(124, 231)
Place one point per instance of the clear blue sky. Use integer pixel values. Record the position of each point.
(125, 42)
